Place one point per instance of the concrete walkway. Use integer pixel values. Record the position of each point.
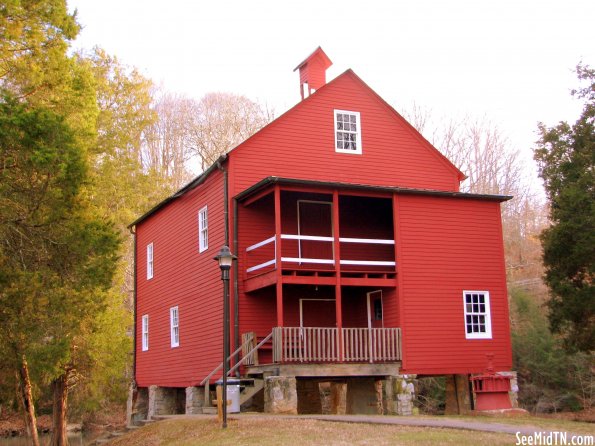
(417, 421)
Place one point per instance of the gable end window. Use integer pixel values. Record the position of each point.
(145, 332)
(347, 132)
(203, 230)
(478, 322)
(149, 261)
(174, 319)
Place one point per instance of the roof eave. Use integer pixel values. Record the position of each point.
(350, 186)
(191, 185)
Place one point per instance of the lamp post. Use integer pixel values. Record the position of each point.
(225, 259)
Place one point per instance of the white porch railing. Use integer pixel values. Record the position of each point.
(321, 344)
(263, 261)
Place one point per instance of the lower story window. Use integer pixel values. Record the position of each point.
(478, 323)
(145, 332)
(174, 317)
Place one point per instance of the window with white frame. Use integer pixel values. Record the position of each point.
(203, 230)
(347, 132)
(150, 261)
(478, 323)
(145, 332)
(174, 322)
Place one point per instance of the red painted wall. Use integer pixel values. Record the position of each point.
(447, 246)
(301, 144)
(182, 277)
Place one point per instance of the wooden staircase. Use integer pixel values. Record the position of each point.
(249, 387)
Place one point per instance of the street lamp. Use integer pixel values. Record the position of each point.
(225, 259)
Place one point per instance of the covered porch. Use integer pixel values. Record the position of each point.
(363, 328)
(318, 275)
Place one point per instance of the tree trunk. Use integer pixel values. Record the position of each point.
(60, 390)
(26, 397)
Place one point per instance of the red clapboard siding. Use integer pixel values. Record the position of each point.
(448, 246)
(445, 245)
(182, 277)
(300, 144)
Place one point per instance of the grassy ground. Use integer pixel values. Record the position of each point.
(264, 432)
(544, 423)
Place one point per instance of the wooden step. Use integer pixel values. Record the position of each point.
(250, 390)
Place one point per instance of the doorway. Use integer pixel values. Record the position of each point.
(374, 304)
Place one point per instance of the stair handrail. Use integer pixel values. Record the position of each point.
(247, 355)
(216, 369)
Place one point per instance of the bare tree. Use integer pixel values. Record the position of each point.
(221, 121)
(188, 129)
(482, 151)
(166, 142)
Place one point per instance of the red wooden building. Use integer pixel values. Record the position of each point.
(359, 261)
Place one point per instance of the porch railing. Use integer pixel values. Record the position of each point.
(261, 256)
(321, 344)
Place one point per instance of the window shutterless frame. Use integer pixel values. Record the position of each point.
(150, 261)
(203, 229)
(348, 137)
(145, 332)
(478, 320)
(174, 323)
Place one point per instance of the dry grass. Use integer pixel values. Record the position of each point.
(267, 432)
(541, 422)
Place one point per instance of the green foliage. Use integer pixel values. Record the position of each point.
(550, 378)
(56, 255)
(35, 36)
(566, 157)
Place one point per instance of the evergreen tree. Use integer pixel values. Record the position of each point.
(566, 158)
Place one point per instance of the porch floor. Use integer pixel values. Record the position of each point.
(304, 276)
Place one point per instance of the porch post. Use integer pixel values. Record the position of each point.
(337, 257)
(398, 269)
(278, 263)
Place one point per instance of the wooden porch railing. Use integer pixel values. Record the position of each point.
(261, 256)
(371, 344)
(318, 344)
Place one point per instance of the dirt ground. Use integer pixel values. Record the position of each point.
(586, 416)
(113, 418)
(13, 425)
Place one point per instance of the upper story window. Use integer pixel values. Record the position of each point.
(174, 319)
(347, 132)
(150, 261)
(145, 332)
(203, 230)
(478, 322)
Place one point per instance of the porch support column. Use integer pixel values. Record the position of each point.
(278, 263)
(337, 257)
(398, 270)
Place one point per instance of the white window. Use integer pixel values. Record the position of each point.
(478, 323)
(203, 230)
(145, 332)
(347, 132)
(150, 261)
(174, 323)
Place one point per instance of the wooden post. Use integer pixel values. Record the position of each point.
(337, 258)
(219, 402)
(278, 265)
(399, 273)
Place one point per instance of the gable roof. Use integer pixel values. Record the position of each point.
(349, 72)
